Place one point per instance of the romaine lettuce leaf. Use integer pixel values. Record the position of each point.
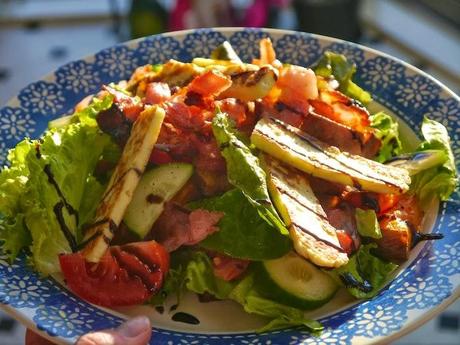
(439, 181)
(242, 233)
(367, 223)
(387, 130)
(364, 268)
(53, 183)
(337, 65)
(244, 170)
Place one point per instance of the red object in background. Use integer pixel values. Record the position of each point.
(33, 338)
(189, 14)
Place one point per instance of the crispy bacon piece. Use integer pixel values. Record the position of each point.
(157, 93)
(228, 268)
(178, 226)
(210, 84)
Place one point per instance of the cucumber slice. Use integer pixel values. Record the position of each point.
(155, 188)
(294, 281)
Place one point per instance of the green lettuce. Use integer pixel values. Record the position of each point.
(242, 233)
(367, 223)
(200, 278)
(244, 170)
(53, 181)
(387, 130)
(439, 181)
(88, 115)
(280, 315)
(369, 271)
(339, 67)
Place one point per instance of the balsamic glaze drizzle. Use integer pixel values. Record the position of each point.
(351, 282)
(185, 318)
(311, 141)
(59, 207)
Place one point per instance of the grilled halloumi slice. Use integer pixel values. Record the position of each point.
(306, 153)
(123, 182)
(312, 235)
(251, 85)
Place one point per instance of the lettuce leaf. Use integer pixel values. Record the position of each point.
(364, 274)
(387, 130)
(53, 180)
(200, 279)
(242, 233)
(441, 180)
(338, 66)
(280, 315)
(244, 170)
(88, 115)
(367, 223)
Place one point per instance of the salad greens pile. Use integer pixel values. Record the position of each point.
(28, 200)
(51, 183)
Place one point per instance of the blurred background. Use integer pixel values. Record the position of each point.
(37, 36)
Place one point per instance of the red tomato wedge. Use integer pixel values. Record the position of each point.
(138, 268)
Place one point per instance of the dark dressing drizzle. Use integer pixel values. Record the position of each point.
(311, 141)
(185, 318)
(418, 237)
(154, 199)
(160, 309)
(173, 307)
(112, 228)
(330, 244)
(58, 211)
(59, 207)
(351, 282)
(107, 192)
(37, 151)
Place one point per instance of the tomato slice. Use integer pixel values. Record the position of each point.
(345, 240)
(126, 275)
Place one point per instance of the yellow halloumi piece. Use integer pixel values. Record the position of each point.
(313, 237)
(306, 153)
(123, 182)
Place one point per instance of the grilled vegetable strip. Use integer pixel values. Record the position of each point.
(123, 182)
(312, 235)
(308, 154)
(251, 85)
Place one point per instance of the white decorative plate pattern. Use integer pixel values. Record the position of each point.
(425, 286)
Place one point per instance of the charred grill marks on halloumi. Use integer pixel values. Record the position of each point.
(308, 154)
(123, 182)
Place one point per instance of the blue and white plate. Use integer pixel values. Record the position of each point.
(423, 287)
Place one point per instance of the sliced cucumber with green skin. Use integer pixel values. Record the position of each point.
(294, 281)
(155, 188)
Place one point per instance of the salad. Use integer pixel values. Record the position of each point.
(264, 183)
